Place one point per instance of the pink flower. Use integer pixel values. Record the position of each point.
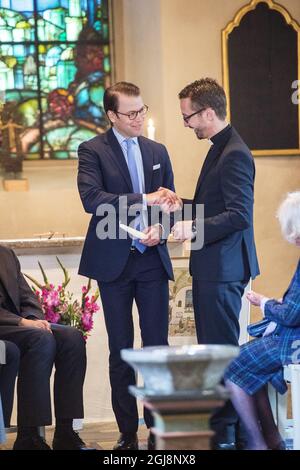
(87, 321)
(60, 307)
(52, 317)
(94, 307)
(52, 300)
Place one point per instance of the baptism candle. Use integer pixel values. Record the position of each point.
(151, 130)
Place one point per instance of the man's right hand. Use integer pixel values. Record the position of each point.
(43, 324)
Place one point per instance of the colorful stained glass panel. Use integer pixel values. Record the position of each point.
(54, 67)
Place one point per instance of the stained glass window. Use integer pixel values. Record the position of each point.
(54, 67)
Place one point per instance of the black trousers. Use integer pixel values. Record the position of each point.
(145, 281)
(39, 351)
(8, 375)
(217, 307)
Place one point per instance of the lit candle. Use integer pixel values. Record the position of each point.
(151, 130)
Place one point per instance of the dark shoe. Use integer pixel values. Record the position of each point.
(241, 436)
(127, 441)
(31, 443)
(69, 441)
(151, 441)
(224, 446)
(241, 445)
(280, 446)
(224, 437)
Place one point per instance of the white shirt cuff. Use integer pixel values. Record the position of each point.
(144, 202)
(263, 303)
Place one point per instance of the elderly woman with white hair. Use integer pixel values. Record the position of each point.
(261, 361)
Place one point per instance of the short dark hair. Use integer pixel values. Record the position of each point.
(111, 95)
(206, 93)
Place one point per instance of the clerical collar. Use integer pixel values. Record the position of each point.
(221, 136)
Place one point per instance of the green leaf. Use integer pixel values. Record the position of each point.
(96, 295)
(44, 274)
(66, 274)
(35, 282)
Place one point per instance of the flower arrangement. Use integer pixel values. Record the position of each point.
(60, 307)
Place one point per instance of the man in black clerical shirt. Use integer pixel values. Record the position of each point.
(221, 269)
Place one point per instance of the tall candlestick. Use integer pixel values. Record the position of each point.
(151, 130)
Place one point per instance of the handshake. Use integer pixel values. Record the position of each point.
(170, 202)
(166, 199)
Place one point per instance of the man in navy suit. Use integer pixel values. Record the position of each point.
(119, 175)
(221, 269)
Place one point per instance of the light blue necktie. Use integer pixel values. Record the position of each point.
(136, 188)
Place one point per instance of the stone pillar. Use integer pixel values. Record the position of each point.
(182, 422)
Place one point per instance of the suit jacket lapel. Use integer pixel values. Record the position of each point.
(212, 155)
(118, 157)
(147, 156)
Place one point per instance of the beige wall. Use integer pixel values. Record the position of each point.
(162, 45)
(51, 204)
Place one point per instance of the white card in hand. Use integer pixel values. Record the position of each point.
(132, 231)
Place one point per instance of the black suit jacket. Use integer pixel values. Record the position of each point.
(17, 300)
(225, 187)
(103, 177)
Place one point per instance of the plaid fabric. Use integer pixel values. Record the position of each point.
(260, 361)
(287, 317)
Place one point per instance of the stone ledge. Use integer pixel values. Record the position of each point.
(44, 245)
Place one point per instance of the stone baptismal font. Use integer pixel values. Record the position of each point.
(181, 389)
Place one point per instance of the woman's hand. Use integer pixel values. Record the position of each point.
(254, 298)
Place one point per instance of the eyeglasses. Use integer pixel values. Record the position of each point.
(187, 118)
(134, 114)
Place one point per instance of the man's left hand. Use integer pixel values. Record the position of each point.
(153, 233)
(183, 230)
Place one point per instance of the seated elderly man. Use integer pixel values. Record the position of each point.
(262, 360)
(41, 345)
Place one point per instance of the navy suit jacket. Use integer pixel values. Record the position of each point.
(103, 177)
(225, 187)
